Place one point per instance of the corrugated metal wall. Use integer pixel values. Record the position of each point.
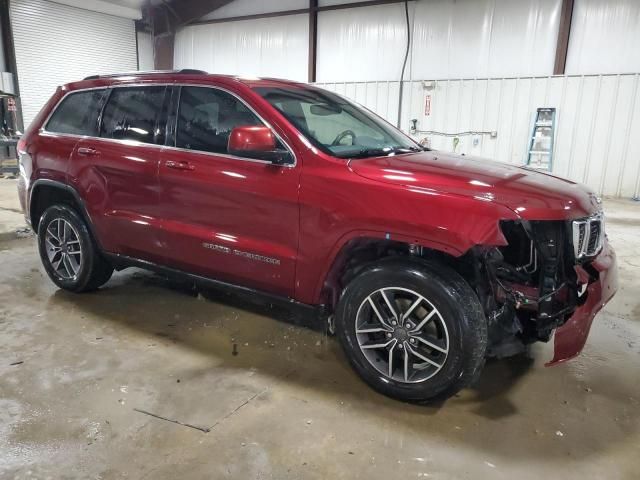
(270, 47)
(450, 39)
(461, 38)
(145, 51)
(56, 44)
(598, 123)
(605, 37)
(597, 136)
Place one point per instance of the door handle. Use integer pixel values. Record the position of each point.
(87, 151)
(182, 165)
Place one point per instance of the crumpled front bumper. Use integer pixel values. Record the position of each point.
(571, 337)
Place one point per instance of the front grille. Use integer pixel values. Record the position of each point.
(588, 236)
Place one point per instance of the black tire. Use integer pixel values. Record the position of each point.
(459, 310)
(93, 269)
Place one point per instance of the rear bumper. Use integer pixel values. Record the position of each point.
(571, 337)
(22, 195)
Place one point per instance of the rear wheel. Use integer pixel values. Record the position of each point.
(414, 331)
(68, 252)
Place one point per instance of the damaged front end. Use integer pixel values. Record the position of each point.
(549, 274)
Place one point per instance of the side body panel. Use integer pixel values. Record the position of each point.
(232, 219)
(118, 181)
(44, 156)
(338, 206)
(50, 155)
(302, 216)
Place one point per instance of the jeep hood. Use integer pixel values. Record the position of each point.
(531, 194)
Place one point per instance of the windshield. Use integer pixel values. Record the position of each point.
(335, 125)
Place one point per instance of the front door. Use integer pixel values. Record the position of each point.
(227, 217)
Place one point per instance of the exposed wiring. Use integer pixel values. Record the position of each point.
(517, 295)
(404, 63)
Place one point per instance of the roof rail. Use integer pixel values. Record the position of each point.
(184, 71)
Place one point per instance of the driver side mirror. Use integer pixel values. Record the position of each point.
(257, 142)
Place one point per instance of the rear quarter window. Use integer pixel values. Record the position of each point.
(78, 113)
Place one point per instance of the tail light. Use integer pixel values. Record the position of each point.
(24, 159)
(22, 145)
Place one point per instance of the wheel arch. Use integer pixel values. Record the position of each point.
(46, 192)
(354, 254)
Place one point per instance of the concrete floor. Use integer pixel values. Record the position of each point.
(75, 370)
(11, 218)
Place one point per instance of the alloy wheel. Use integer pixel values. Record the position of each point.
(402, 335)
(63, 248)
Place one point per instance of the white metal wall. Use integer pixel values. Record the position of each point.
(359, 44)
(597, 138)
(605, 37)
(270, 47)
(6, 82)
(484, 38)
(450, 39)
(507, 47)
(56, 44)
(145, 51)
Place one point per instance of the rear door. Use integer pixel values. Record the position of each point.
(116, 172)
(227, 217)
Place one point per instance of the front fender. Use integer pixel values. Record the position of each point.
(338, 206)
(448, 242)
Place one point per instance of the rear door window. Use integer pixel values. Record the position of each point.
(78, 113)
(134, 113)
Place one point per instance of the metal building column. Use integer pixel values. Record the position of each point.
(166, 18)
(563, 37)
(313, 39)
(7, 43)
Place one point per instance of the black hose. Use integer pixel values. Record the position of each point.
(404, 64)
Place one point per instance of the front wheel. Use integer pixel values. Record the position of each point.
(413, 330)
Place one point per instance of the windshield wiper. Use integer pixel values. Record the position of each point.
(383, 151)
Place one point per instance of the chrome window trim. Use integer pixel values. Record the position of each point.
(226, 155)
(136, 143)
(48, 133)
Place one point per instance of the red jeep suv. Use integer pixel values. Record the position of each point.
(425, 263)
